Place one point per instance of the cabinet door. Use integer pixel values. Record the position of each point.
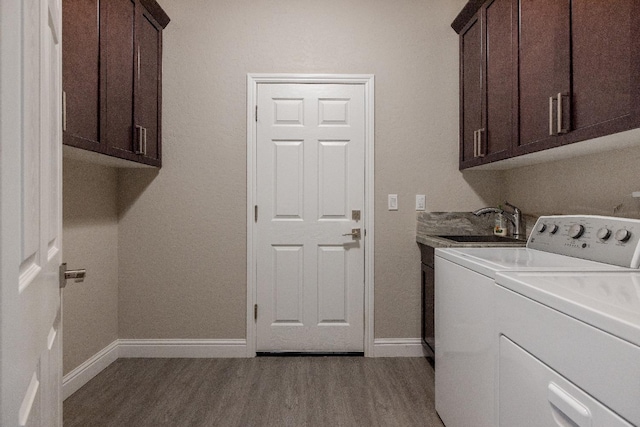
(489, 122)
(81, 73)
(470, 89)
(544, 71)
(602, 66)
(118, 19)
(428, 291)
(148, 93)
(498, 52)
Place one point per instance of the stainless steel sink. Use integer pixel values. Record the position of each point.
(489, 238)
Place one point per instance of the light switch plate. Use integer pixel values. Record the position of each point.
(393, 202)
(421, 202)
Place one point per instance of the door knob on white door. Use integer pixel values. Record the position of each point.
(355, 234)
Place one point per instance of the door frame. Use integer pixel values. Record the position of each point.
(367, 81)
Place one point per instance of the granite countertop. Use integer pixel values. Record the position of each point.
(433, 224)
(439, 242)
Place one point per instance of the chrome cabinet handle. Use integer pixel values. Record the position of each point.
(551, 116)
(561, 130)
(481, 151)
(144, 140)
(475, 144)
(138, 62)
(139, 149)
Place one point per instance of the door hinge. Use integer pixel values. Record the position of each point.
(255, 312)
(255, 213)
(256, 113)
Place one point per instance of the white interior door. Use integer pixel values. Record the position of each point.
(310, 177)
(30, 220)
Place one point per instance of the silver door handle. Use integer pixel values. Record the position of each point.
(77, 275)
(355, 234)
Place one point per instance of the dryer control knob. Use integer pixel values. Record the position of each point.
(576, 231)
(553, 229)
(541, 227)
(604, 233)
(622, 235)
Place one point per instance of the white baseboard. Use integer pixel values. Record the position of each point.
(133, 348)
(128, 348)
(398, 347)
(89, 369)
(182, 348)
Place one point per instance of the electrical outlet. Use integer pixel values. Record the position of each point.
(421, 202)
(393, 202)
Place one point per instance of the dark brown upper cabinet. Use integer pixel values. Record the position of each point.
(81, 74)
(487, 120)
(112, 65)
(572, 74)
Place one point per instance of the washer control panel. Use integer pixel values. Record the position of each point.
(609, 240)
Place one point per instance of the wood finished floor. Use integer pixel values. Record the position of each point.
(263, 391)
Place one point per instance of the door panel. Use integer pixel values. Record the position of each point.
(545, 60)
(288, 280)
(333, 285)
(148, 96)
(310, 175)
(601, 61)
(471, 88)
(31, 223)
(288, 173)
(81, 71)
(118, 43)
(499, 77)
(333, 179)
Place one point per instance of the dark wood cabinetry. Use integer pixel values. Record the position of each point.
(486, 84)
(428, 293)
(605, 67)
(545, 73)
(81, 70)
(544, 69)
(470, 90)
(148, 95)
(112, 53)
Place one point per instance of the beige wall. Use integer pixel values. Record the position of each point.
(90, 240)
(598, 184)
(178, 251)
(182, 234)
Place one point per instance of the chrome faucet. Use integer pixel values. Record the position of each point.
(515, 218)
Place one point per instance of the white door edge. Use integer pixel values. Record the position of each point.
(367, 80)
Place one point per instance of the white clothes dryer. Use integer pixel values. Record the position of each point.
(568, 348)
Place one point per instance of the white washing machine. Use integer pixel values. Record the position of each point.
(466, 311)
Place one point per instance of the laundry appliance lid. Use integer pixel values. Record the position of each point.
(488, 261)
(609, 301)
